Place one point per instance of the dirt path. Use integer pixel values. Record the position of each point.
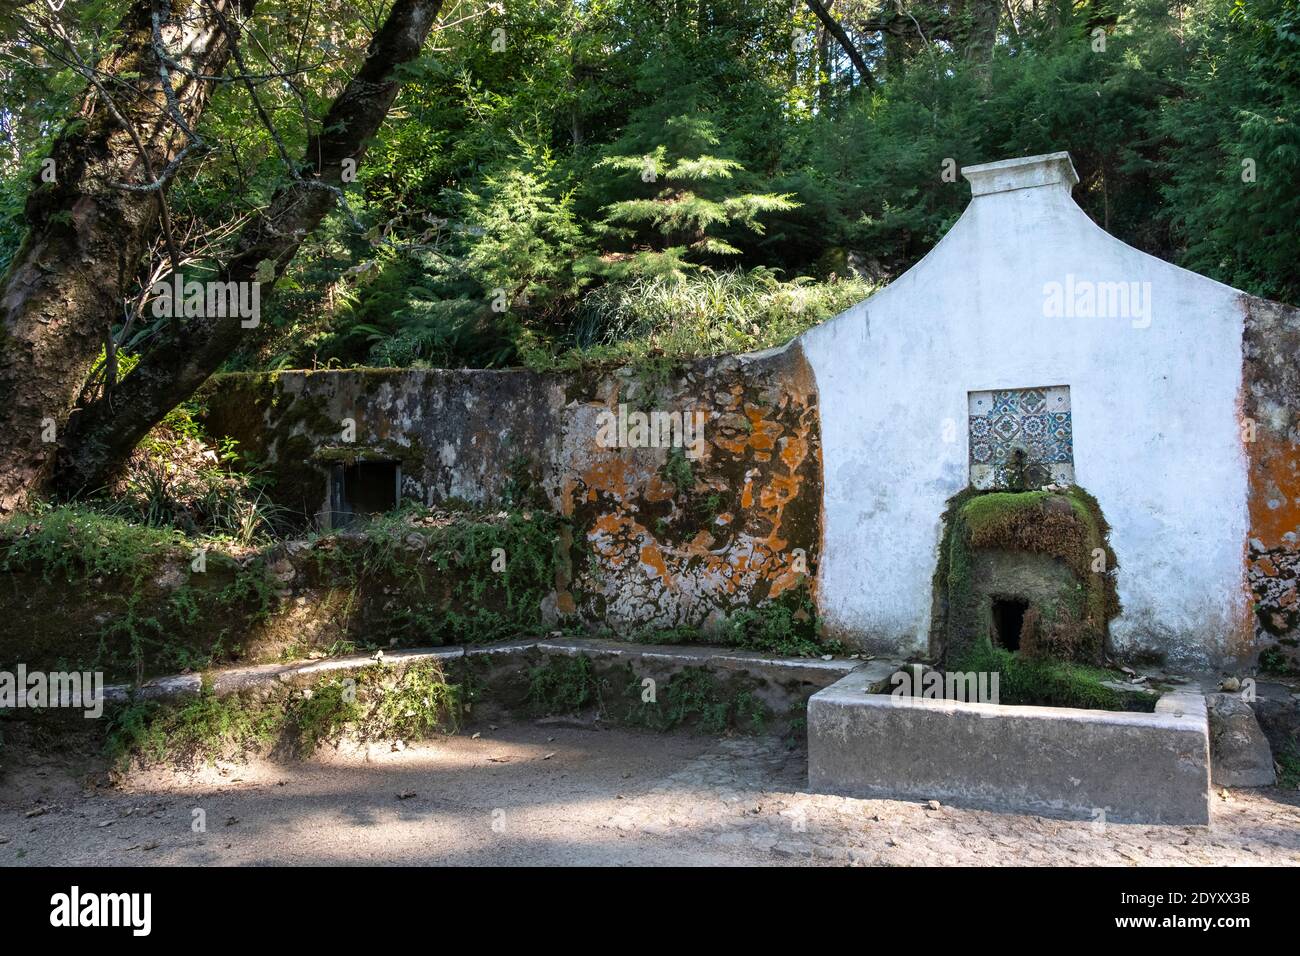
(547, 795)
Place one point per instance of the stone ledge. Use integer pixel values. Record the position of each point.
(701, 654)
(236, 679)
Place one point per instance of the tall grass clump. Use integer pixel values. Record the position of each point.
(701, 314)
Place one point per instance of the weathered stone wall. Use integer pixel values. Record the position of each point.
(455, 433)
(826, 465)
(662, 538)
(1271, 429)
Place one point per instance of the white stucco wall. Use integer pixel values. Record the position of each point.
(1156, 430)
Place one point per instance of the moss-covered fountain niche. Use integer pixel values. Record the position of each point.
(1024, 565)
(1029, 572)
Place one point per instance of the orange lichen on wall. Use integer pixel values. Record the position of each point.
(609, 474)
(652, 557)
(1274, 491)
(1273, 550)
(607, 534)
(1270, 428)
(659, 490)
(746, 528)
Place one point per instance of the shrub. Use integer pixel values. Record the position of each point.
(685, 316)
(563, 685)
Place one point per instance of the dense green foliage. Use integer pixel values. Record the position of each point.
(632, 178)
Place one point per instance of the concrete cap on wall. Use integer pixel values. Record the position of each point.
(1023, 173)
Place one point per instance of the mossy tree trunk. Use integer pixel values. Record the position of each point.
(90, 225)
(186, 354)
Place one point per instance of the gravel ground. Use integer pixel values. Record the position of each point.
(547, 794)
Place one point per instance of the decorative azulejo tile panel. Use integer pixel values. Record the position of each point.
(1035, 421)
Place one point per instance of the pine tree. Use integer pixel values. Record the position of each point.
(676, 227)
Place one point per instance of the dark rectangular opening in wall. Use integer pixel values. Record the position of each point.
(362, 489)
(1008, 619)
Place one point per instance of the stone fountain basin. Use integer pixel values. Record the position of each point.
(1100, 765)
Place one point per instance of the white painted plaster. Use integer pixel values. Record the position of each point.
(1156, 432)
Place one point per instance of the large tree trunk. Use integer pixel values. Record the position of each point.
(980, 29)
(86, 235)
(102, 435)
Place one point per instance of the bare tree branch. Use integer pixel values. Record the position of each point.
(834, 29)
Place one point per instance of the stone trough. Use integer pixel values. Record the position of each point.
(1092, 764)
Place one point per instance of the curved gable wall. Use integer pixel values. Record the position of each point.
(1155, 414)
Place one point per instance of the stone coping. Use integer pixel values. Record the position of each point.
(234, 679)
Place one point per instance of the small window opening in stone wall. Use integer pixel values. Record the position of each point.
(362, 489)
(1021, 438)
(1009, 621)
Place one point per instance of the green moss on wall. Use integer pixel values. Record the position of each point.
(1063, 526)
(96, 592)
(475, 579)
